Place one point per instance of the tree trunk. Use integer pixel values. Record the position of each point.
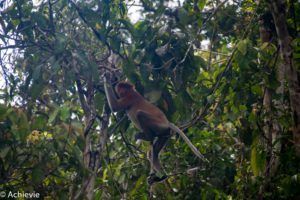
(278, 10)
(91, 155)
(272, 127)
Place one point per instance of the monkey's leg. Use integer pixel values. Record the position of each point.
(151, 129)
(145, 121)
(142, 136)
(153, 156)
(157, 147)
(150, 158)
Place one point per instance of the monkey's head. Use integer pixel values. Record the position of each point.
(123, 88)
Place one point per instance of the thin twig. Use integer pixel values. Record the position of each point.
(198, 33)
(229, 61)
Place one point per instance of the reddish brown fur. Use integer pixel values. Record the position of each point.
(133, 102)
(123, 87)
(148, 118)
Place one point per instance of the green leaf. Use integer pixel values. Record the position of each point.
(182, 15)
(242, 47)
(138, 187)
(257, 159)
(36, 72)
(39, 122)
(4, 151)
(128, 26)
(112, 154)
(252, 117)
(98, 195)
(129, 68)
(121, 178)
(69, 77)
(201, 4)
(23, 127)
(77, 153)
(3, 110)
(63, 195)
(123, 10)
(210, 98)
(99, 100)
(40, 19)
(64, 113)
(115, 43)
(296, 55)
(253, 162)
(256, 89)
(60, 43)
(37, 174)
(243, 108)
(53, 115)
(36, 90)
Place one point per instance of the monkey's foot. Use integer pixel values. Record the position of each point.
(154, 179)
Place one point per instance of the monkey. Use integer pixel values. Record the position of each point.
(149, 119)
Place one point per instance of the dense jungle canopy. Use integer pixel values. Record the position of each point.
(225, 71)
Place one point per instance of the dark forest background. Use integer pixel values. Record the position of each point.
(226, 72)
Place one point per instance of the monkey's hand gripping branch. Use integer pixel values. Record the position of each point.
(111, 97)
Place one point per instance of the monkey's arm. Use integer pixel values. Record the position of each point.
(186, 139)
(110, 95)
(116, 104)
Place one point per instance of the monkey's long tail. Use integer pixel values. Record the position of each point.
(186, 139)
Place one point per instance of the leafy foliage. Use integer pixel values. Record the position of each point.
(52, 103)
